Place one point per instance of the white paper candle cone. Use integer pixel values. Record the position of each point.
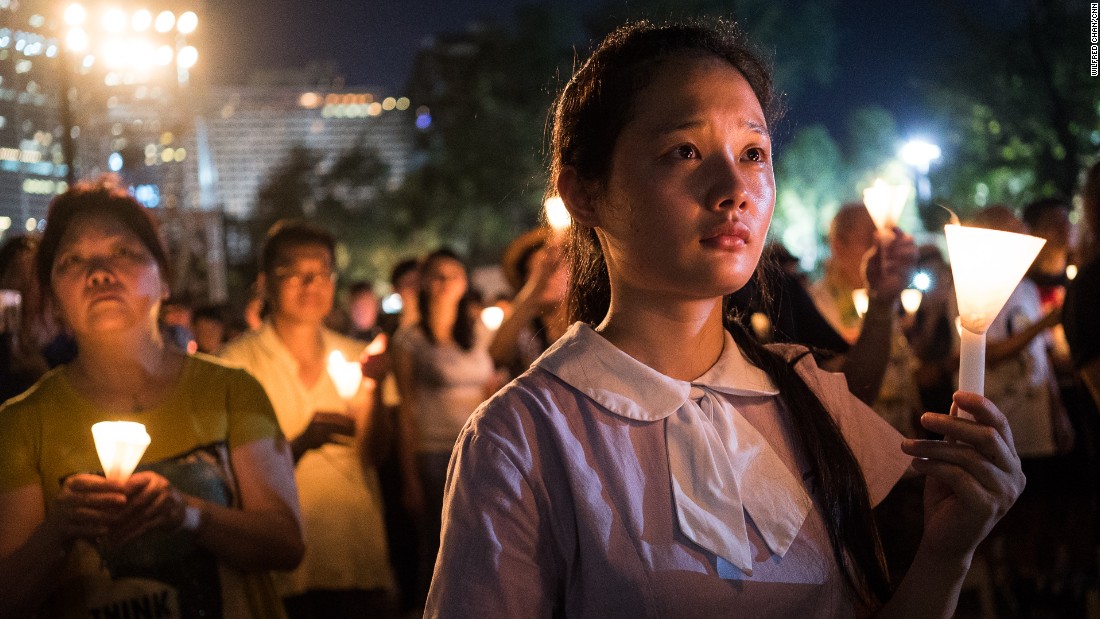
(120, 445)
(492, 317)
(377, 346)
(910, 300)
(861, 301)
(885, 202)
(987, 265)
(347, 375)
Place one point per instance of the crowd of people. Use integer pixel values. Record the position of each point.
(670, 419)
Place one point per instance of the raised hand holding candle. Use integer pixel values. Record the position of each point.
(347, 375)
(987, 265)
(885, 202)
(120, 445)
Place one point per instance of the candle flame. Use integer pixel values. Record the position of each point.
(346, 375)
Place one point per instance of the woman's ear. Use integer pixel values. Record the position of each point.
(577, 197)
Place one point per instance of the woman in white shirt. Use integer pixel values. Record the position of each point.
(656, 461)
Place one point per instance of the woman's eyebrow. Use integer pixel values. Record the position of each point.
(756, 127)
(679, 125)
(673, 127)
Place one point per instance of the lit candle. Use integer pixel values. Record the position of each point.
(885, 202)
(376, 347)
(861, 301)
(910, 300)
(556, 214)
(987, 265)
(120, 445)
(347, 375)
(492, 317)
(761, 326)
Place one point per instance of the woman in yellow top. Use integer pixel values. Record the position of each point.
(212, 505)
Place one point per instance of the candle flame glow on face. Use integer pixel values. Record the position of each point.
(120, 445)
(987, 265)
(346, 375)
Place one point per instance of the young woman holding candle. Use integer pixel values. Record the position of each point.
(656, 461)
(212, 506)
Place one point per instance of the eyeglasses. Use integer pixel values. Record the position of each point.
(299, 278)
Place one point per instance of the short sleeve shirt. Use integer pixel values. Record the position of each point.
(559, 501)
(450, 384)
(45, 436)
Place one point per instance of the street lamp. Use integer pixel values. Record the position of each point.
(919, 154)
(128, 46)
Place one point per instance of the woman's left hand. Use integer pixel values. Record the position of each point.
(973, 475)
(151, 503)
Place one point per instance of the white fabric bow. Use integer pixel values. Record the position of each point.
(715, 483)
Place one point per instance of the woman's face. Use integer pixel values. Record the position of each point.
(105, 279)
(444, 279)
(690, 193)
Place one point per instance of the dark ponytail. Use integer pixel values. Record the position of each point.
(588, 118)
(836, 475)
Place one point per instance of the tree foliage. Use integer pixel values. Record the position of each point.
(1019, 110)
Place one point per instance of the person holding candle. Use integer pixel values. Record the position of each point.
(657, 461)
(1020, 379)
(345, 571)
(443, 371)
(535, 267)
(852, 235)
(212, 507)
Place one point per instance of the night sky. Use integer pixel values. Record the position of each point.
(885, 48)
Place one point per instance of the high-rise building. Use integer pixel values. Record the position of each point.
(32, 165)
(252, 129)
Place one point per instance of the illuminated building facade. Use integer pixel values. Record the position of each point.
(253, 128)
(32, 165)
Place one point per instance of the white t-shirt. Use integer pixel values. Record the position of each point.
(1021, 385)
(342, 521)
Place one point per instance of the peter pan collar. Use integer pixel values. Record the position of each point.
(629, 388)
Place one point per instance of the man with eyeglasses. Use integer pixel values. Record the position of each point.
(345, 572)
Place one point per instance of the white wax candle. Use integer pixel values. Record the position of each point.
(972, 362)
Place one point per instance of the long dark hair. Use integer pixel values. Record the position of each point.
(588, 117)
(463, 330)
